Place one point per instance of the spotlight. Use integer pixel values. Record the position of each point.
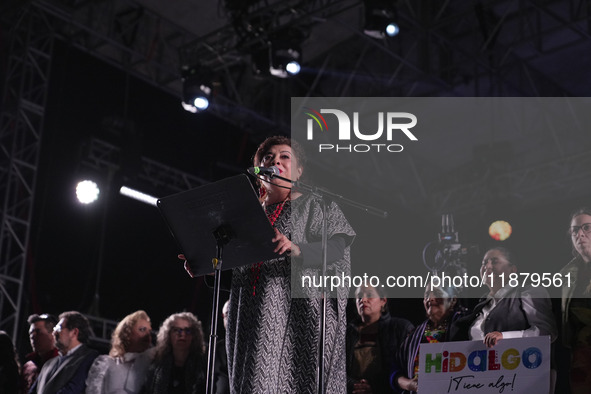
(197, 89)
(392, 29)
(87, 191)
(285, 60)
(380, 19)
(293, 68)
(281, 55)
(201, 103)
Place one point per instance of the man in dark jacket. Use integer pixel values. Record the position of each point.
(43, 345)
(66, 374)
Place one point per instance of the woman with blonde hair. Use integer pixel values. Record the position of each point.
(124, 369)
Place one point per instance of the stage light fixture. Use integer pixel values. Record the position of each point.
(197, 89)
(281, 53)
(380, 19)
(87, 191)
(285, 60)
(293, 68)
(392, 29)
(137, 195)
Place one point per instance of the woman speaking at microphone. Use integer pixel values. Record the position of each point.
(272, 338)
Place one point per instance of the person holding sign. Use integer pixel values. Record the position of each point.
(507, 311)
(440, 305)
(576, 302)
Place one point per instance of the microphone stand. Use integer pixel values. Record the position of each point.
(326, 197)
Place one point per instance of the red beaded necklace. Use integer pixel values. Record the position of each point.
(255, 269)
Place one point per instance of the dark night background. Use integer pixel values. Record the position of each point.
(140, 269)
(90, 99)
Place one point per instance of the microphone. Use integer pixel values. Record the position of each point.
(264, 171)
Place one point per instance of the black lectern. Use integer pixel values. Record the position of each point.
(221, 220)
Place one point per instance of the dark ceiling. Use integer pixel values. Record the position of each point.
(444, 49)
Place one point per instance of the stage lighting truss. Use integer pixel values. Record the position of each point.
(380, 19)
(197, 89)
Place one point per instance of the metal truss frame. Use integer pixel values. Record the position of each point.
(21, 126)
(21, 129)
(104, 156)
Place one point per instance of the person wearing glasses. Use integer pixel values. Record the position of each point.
(179, 364)
(67, 372)
(576, 301)
(43, 345)
(124, 369)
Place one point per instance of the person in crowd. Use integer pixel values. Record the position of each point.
(506, 311)
(9, 367)
(67, 372)
(373, 341)
(43, 345)
(441, 308)
(180, 362)
(124, 369)
(576, 302)
(272, 336)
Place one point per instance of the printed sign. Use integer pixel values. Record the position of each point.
(512, 366)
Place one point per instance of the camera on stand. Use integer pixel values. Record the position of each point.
(448, 256)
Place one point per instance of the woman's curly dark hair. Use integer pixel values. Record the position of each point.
(164, 346)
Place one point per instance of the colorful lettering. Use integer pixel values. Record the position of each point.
(510, 359)
(528, 354)
(430, 363)
(481, 356)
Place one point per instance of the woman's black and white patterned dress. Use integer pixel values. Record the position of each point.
(272, 337)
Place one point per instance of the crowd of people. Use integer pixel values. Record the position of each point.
(272, 338)
(63, 362)
(504, 312)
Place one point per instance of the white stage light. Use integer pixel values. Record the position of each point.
(137, 195)
(87, 192)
